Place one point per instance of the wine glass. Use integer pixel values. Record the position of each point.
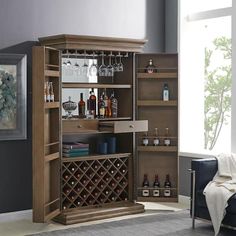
(85, 65)
(93, 70)
(120, 65)
(110, 69)
(115, 65)
(102, 69)
(76, 66)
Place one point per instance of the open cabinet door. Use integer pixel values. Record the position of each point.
(46, 130)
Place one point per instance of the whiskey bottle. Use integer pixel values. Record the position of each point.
(165, 92)
(145, 192)
(156, 140)
(167, 140)
(114, 105)
(101, 106)
(81, 106)
(167, 186)
(156, 185)
(145, 139)
(51, 92)
(150, 68)
(92, 103)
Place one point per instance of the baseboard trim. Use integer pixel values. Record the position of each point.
(185, 200)
(16, 215)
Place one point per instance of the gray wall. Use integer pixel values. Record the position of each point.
(26, 20)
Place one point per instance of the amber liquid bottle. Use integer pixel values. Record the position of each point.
(81, 106)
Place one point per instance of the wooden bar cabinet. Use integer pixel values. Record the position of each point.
(96, 186)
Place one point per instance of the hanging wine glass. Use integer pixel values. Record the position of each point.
(102, 71)
(110, 69)
(76, 66)
(85, 65)
(120, 65)
(115, 65)
(93, 70)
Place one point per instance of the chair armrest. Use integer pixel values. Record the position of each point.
(205, 170)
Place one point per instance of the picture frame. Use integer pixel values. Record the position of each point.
(13, 96)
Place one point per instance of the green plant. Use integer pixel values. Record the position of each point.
(218, 80)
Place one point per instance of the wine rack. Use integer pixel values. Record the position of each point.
(95, 182)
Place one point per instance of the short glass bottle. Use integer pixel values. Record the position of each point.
(167, 140)
(156, 140)
(145, 139)
(150, 68)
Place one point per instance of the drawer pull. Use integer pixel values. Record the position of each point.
(131, 126)
(79, 126)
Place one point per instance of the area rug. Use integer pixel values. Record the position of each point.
(164, 224)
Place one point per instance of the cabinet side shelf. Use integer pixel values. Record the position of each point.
(157, 103)
(164, 75)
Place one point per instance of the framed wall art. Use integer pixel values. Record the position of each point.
(13, 94)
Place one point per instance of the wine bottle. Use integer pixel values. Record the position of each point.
(156, 140)
(92, 103)
(165, 92)
(107, 104)
(150, 68)
(145, 192)
(81, 106)
(167, 140)
(114, 105)
(156, 184)
(167, 186)
(51, 92)
(101, 106)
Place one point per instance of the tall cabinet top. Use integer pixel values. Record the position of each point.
(84, 42)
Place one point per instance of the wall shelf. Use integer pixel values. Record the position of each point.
(161, 75)
(172, 103)
(95, 85)
(157, 148)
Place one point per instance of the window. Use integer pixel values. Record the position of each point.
(206, 92)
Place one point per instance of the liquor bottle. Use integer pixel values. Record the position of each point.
(156, 184)
(145, 139)
(150, 68)
(167, 186)
(72, 169)
(47, 92)
(165, 92)
(167, 140)
(107, 104)
(65, 176)
(51, 92)
(92, 103)
(145, 192)
(114, 105)
(156, 140)
(101, 106)
(81, 106)
(66, 190)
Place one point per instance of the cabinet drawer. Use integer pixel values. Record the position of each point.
(79, 126)
(124, 126)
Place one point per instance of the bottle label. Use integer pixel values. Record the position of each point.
(167, 142)
(48, 98)
(156, 142)
(165, 95)
(156, 193)
(52, 98)
(167, 193)
(145, 141)
(145, 193)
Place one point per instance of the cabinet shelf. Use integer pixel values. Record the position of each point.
(160, 75)
(157, 148)
(52, 66)
(157, 199)
(52, 156)
(52, 73)
(95, 157)
(152, 188)
(49, 105)
(95, 85)
(173, 103)
(51, 144)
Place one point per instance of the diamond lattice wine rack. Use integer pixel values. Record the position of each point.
(91, 182)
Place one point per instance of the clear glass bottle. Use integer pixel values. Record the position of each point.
(156, 140)
(165, 92)
(150, 68)
(51, 92)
